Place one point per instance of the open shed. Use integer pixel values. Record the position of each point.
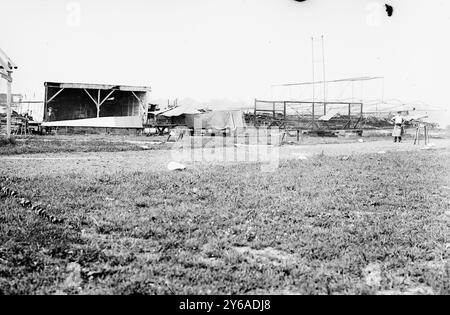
(95, 105)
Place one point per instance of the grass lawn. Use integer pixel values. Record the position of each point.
(110, 143)
(370, 224)
(36, 144)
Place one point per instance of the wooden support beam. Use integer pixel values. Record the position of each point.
(55, 95)
(8, 107)
(98, 103)
(254, 117)
(45, 104)
(106, 98)
(90, 96)
(309, 102)
(140, 101)
(95, 102)
(416, 136)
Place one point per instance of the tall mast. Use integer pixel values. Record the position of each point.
(313, 78)
(323, 68)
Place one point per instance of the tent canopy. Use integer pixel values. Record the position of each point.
(178, 111)
(231, 119)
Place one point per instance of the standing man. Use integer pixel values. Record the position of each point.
(50, 114)
(398, 127)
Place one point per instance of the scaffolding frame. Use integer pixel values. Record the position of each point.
(309, 119)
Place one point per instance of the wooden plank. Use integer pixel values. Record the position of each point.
(108, 96)
(54, 95)
(90, 96)
(98, 86)
(45, 104)
(306, 102)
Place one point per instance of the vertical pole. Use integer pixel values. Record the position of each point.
(146, 107)
(382, 94)
(353, 92)
(362, 90)
(415, 135)
(324, 79)
(418, 134)
(313, 74)
(98, 104)
(8, 107)
(44, 114)
(254, 117)
(273, 110)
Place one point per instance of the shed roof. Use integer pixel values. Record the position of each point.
(98, 86)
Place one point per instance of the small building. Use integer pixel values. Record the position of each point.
(95, 105)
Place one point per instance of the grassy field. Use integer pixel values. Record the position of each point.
(38, 144)
(110, 143)
(369, 224)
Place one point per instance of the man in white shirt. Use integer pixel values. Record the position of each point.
(398, 127)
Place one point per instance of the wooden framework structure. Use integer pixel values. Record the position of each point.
(305, 115)
(83, 101)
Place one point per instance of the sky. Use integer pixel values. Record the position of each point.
(220, 52)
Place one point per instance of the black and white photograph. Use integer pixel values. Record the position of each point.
(241, 149)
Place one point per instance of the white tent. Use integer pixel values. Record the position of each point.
(224, 119)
